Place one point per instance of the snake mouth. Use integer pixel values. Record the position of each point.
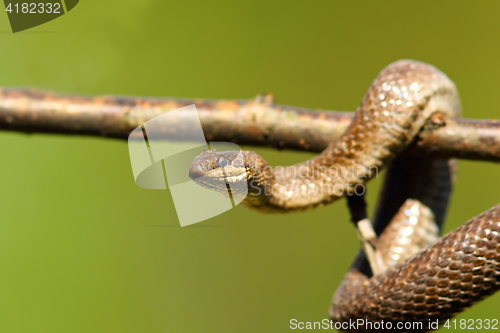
(228, 186)
(240, 178)
(218, 177)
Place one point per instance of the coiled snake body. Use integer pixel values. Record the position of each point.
(423, 279)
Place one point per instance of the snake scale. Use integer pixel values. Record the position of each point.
(424, 277)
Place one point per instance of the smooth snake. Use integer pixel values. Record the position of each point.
(421, 277)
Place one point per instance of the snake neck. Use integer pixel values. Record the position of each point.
(310, 184)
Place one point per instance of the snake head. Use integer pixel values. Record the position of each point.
(216, 170)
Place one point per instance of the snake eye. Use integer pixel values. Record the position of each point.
(222, 161)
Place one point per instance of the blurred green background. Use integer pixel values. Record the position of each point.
(83, 249)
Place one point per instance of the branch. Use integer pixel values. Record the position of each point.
(258, 122)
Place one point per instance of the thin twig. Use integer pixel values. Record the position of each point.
(258, 122)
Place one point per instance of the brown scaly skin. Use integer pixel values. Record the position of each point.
(462, 268)
(459, 269)
(399, 102)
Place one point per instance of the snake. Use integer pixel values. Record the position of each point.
(425, 278)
